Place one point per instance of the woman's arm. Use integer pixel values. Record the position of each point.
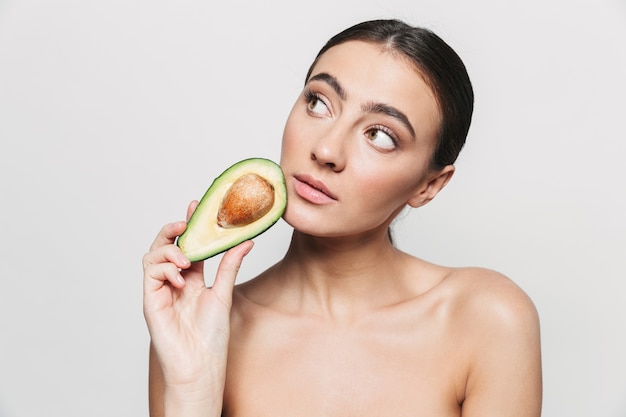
(161, 404)
(155, 386)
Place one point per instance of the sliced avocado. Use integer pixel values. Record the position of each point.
(243, 202)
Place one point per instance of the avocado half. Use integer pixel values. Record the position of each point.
(243, 202)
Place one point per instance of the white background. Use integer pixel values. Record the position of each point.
(114, 114)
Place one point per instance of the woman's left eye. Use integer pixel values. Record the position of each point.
(381, 139)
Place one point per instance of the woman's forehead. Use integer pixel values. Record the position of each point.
(361, 60)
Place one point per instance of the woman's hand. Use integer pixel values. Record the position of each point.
(189, 324)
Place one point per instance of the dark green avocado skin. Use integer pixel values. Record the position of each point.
(204, 238)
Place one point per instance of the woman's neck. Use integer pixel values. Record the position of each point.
(341, 277)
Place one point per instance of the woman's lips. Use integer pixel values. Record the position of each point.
(312, 190)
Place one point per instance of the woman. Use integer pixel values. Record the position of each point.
(346, 324)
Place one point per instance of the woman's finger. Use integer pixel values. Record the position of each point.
(191, 208)
(168, 234)
(156, 275)
(166, 254)
(227, 271)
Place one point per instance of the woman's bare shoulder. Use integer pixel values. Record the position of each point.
(489, 297)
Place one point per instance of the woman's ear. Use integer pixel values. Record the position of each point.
(435, 183)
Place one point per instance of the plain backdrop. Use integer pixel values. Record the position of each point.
(115, 114)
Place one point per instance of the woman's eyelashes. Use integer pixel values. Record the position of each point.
(315, 104)
(380, 136)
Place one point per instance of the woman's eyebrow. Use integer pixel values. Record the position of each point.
(331, 81)
(389, 111)
(381, 108)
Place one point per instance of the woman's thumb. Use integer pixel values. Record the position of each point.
(228, 269)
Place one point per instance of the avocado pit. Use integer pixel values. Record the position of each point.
(246, 201)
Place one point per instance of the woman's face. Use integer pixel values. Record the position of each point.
(358, 142)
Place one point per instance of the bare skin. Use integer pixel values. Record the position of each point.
(346, 324)
(438, 341)
(421, 340)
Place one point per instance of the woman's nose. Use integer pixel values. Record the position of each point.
(330, 150)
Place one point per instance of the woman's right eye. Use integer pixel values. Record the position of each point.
(315, 104)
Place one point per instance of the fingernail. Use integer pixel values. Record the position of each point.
(183, 261)
(250, 245)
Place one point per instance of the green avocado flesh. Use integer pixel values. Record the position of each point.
(243, 202)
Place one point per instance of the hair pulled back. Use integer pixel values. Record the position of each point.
(437, 62)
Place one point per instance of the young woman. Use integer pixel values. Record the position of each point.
(346, 324)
